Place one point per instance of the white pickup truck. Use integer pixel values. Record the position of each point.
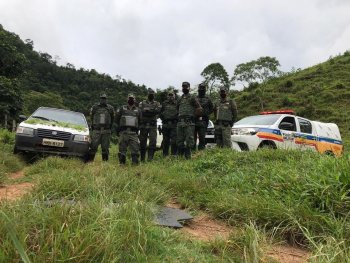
(284, 130)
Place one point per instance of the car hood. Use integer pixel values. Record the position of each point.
(251, 126)
(56, 128)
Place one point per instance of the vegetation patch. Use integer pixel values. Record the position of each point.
(58, 124)
(9, 163)
(259, 199)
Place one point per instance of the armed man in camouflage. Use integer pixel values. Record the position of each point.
(102, 116)
(188, 108)
(128, 118)
(225, 112)
(203, 119)
(168, 114)
(148, 128)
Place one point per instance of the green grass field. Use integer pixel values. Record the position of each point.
(267, 197)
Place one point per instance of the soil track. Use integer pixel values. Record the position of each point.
(15, 191)
(205, 229)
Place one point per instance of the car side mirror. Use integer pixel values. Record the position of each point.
(23, 117)
(286, 126)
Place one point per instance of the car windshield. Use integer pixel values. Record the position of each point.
(57, 115)
(259, 120)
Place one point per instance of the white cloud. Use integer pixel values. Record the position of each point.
(165, 42)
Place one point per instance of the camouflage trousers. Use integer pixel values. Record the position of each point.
(100, 137)
(223, 136)
(150, 133)
(131, 140)
(184, 135)
(169, 134)
(201, 131)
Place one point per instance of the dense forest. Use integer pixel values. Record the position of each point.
(29, 79)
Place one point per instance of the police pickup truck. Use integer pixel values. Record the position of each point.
(284, 130)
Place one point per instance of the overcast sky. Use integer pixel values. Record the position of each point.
(164, 42)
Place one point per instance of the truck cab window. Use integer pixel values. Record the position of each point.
(288, 124)
(305, 126)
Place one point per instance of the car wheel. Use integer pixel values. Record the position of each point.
(15, 150)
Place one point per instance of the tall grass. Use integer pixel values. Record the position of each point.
(267, 196)
(9, 163)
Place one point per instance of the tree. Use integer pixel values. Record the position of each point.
(34, 100)
(11, 102)
(260, 70)
(12, 66)
(215, 75)
(12, 63)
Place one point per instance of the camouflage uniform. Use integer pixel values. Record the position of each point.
(128, 118)
(148, 128)
(187, 106)
(102, 116)
(225, 113)
(168, 114)
(202, 120)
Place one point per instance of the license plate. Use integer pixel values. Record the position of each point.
(51, 142)
(210, 145)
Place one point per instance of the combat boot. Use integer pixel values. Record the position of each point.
(201, 147)
(122, 159)
(173, 150)
(135, 159)
(143, 155)
(104, 157)
(89, 158)
(180, 151)
(150, 155)
(188, 153)
(165, 151)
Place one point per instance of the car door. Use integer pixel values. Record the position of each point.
(288, 129)
(304, 138)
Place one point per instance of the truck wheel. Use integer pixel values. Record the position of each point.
(267, 145)
(329, 153)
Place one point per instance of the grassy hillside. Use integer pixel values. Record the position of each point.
(266, 197)
(321, 92)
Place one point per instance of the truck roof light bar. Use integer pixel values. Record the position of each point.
(277, 112)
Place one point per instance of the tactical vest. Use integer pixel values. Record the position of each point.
(129, 117)
(170, 111)
(186, 109)
(224, 110)
(148, 116)
(102, 116)
(204, 102)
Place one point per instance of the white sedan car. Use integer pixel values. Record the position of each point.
(209, 138)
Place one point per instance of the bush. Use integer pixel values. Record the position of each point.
(245, 95)
(287, 101)
(289, 84)
(7, 137)
(339, 85)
